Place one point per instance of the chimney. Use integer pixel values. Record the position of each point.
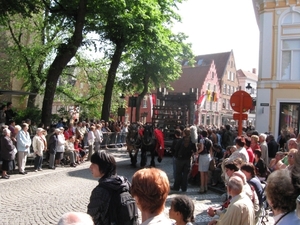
(254, 70)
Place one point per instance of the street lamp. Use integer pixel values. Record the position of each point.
(121, 110)
(249, 88)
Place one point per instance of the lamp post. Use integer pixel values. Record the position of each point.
(121, 110)
(249, 88)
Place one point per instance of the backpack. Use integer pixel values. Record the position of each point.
(122, 207)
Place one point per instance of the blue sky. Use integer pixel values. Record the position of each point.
(222, 25)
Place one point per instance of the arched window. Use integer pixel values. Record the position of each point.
(289, 46)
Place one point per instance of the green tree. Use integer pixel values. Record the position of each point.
(73, 15)
(119, 24)
(25, 8)
(29, 47)
(134, 22)
(156, 64)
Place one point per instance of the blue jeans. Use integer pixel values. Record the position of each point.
(38, 161)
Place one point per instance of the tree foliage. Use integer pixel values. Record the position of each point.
(137, 27)
(155, 63)
(25, 8)
(134, 34)
(31, 44)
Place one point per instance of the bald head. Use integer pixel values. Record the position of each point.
(75, 218)
(235, 185)
(241, 175)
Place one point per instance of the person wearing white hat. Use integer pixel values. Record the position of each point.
(60, 147)
(39, 146)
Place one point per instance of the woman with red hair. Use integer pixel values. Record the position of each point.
(150, 188)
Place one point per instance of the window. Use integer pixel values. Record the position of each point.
(290, 69)
(232, 76)
(215, 88)
(228, 75)
(289, 48)
(224, 89)
(208, 86)
(145, 102)
(228, 89)
(199, 63)
(210, 105)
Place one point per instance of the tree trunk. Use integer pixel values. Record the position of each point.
(31, 101)
(65, 53)
(111, 80)
(141, 96)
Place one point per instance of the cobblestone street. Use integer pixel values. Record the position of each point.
(42, 197)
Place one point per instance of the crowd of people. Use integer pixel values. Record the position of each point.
(247, 166)
(253, 168)
(64, 143)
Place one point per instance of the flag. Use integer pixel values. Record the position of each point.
(201, 100)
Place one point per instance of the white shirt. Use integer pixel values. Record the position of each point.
(160, 219)
(98, 135)
(91, 137)
(60, 143)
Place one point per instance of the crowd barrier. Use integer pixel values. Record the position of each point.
(113, 139)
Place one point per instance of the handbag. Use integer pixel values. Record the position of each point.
(212, 165)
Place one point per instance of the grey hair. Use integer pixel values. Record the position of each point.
(6, 131)
(18, 127)
(75, 218)
(264, 136)
(236, 184)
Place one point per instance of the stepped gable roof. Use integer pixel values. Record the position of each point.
(247, 74)
(191, 77)
(220, 59)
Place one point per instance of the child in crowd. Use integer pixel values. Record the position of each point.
(81, 154)
(182, 210)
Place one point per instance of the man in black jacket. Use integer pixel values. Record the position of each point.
(227, 137)
(272, 146)
(184, 149)
(177, 135)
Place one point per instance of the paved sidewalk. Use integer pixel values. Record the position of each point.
(42, 197)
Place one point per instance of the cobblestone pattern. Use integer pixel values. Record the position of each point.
(42, 197)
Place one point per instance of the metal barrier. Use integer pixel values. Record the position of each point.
(113, 139)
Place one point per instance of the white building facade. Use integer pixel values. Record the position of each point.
(278, 87)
